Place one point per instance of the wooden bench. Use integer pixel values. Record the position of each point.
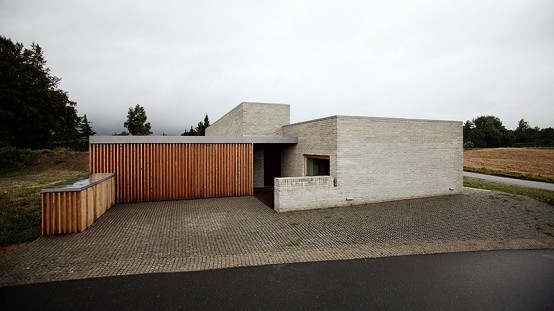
(74, 206)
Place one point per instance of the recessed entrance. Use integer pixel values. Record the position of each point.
(272, 164)
(267, 166)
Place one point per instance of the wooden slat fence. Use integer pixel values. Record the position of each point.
(70, 211)
(172, 171)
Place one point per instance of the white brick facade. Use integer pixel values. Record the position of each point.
(252, 119)
(370, 159)
(317, 137)
(373, 160)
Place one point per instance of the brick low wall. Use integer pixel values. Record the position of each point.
(304, 193)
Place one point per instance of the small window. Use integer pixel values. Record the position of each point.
(317, 165)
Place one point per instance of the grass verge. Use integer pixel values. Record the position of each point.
(20, 208)
(23, 174)
(538, 194)
(508, 174)
(14, 161)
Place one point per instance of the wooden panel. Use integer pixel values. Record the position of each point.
(74, 211)
(154, 172)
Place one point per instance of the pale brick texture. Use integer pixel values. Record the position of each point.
(389, 159)
(252, 119)
(301, 193)
(373, 160)
(228, 125)
(316, 137)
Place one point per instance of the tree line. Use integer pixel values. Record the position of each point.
(138, 125)
(489, 132)
(36, 113)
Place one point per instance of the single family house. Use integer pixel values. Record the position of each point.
(328, 162)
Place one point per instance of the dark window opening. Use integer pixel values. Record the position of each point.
(317, 166)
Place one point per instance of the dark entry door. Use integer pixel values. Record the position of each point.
(272, 163)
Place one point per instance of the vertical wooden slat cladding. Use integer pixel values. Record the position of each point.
(173, 171)
(74, 211)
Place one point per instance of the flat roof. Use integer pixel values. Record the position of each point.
(192, 140)
(373, 118)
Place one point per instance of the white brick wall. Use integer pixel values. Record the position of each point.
(228, 125)
(371, 159)
(374, 159)
(312, 192)
(252, 119)
(316, 137)
(389, 159)
(262, 119)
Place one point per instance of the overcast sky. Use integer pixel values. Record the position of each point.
(452, 60)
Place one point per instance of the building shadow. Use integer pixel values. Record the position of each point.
(266, 196)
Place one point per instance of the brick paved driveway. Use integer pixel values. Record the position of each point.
(229, 232)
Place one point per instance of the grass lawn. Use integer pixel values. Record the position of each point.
(538, 194)
(23, 174)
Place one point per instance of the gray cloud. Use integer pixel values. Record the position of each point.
(182, 59)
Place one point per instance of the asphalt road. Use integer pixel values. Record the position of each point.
(493, 280)
(512, 181)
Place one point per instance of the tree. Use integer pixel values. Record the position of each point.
(85, 130)
(468, 127)
(488, 132)
(202, 126)
(191, 132)
(525, 134)
(200, 130)
(136, 121)
(34, 113)
(546, 137)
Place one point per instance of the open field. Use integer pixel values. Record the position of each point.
(526, 163)
(23, 174)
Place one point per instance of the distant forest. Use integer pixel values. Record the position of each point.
(489, 132)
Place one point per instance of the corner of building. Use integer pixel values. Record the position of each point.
(252, 119)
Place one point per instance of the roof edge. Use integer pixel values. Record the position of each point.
(397, 119)
(192, 140)
(374, 118)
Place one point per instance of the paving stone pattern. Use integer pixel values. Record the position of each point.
(241, 231)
